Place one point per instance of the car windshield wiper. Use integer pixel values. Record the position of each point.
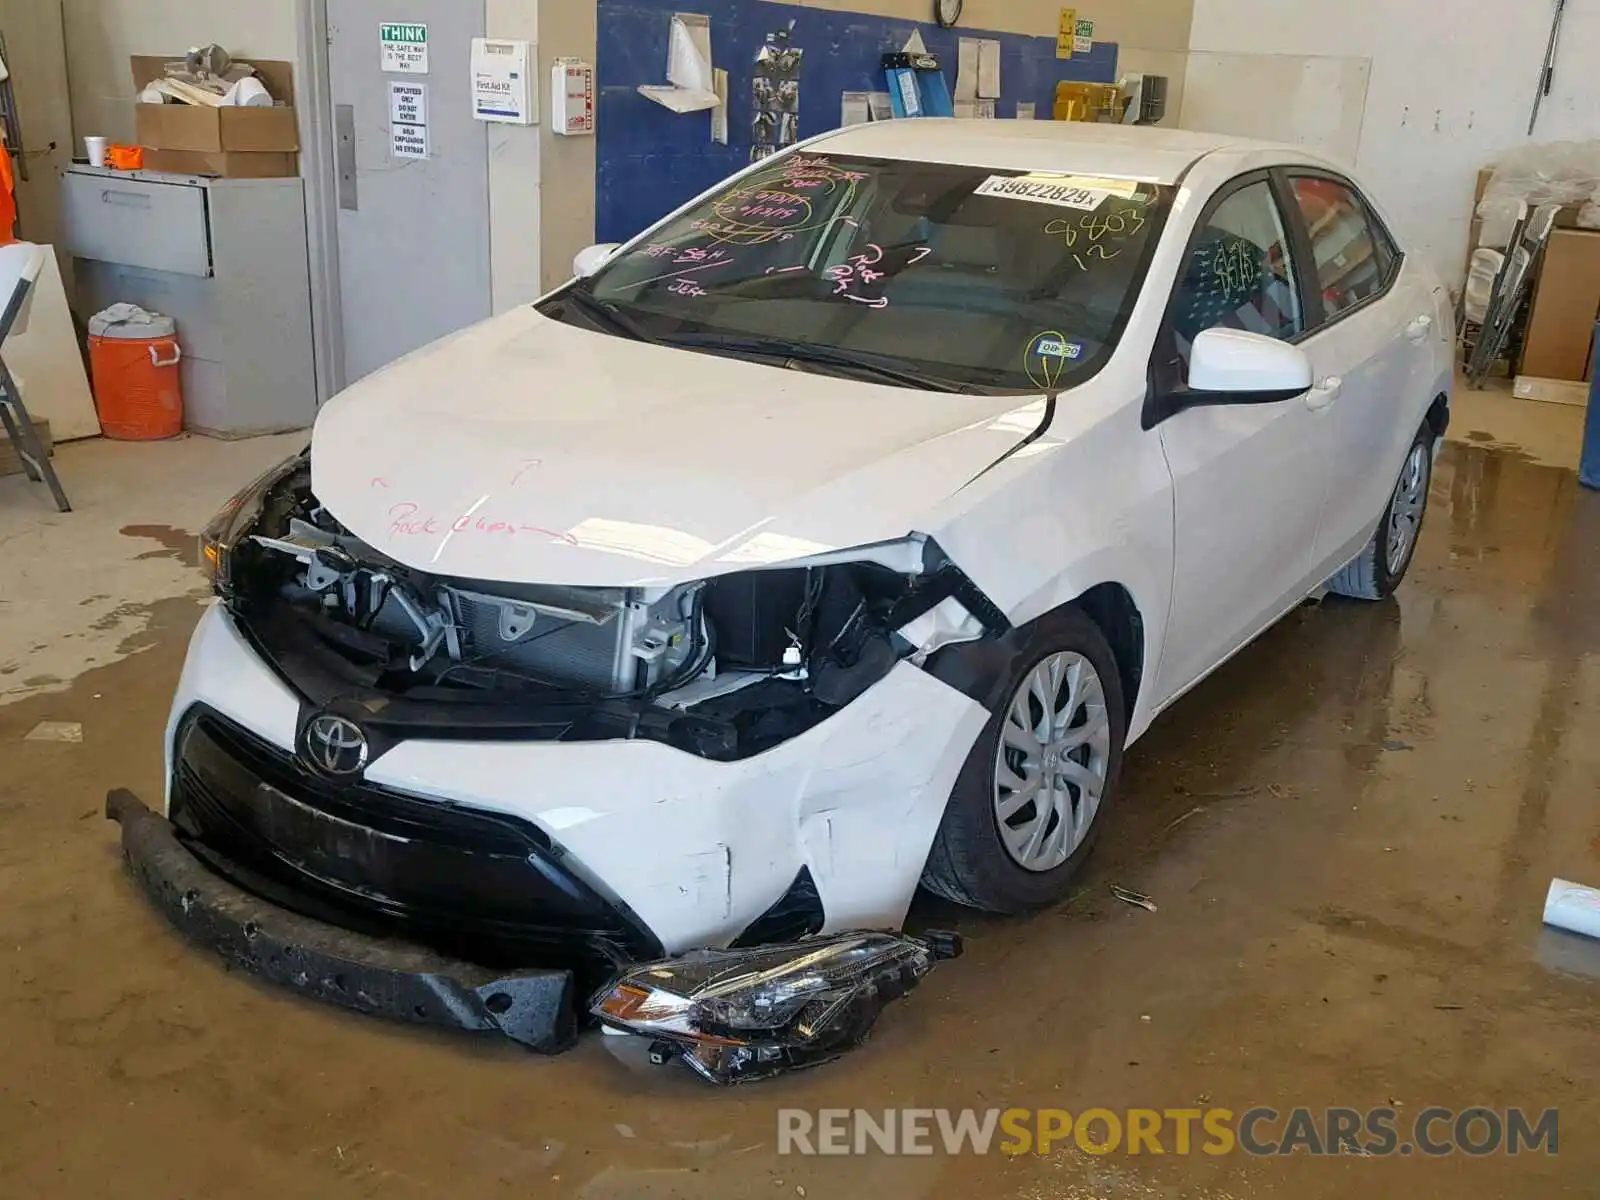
(608, 314)
(847, 363)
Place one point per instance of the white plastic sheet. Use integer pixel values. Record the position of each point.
(1573, 907)
(691, 78)
(1564, 173)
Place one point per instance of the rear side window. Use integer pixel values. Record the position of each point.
(1354, 257)
(1239, 274)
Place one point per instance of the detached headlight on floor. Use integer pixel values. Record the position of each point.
(237, 518)
(737, 1015)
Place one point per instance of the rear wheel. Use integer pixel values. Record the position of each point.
(1031, 799)
(1378, 570)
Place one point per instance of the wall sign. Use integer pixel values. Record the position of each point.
(501, 88)
(1066, 33)
(1083, 38)
(405, 49)
(408, 103)
(572, 95)
(408, 119)
(409, 141)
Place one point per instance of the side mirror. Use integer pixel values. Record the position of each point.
(1247, 368)
(1230, 366)
(590, 260)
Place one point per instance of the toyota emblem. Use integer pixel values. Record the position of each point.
(335, 745)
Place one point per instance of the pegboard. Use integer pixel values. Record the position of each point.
(650, 160)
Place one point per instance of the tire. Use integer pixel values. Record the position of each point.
(970, 862)
(1374, 575)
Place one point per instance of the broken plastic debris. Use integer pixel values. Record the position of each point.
(738, 1015)
(55, 731)
(1569, 906)
(1137, 899)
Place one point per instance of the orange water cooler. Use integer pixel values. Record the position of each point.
(134, 357)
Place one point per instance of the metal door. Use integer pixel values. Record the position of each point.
(413, 230)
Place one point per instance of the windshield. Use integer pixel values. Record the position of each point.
(980, 279)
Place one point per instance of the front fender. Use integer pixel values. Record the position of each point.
(1089, 502)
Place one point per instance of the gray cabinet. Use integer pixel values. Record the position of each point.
(226, 259)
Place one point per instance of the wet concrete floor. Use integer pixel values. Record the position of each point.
(1348, 833)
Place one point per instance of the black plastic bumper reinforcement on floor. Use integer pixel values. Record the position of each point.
(368, 975)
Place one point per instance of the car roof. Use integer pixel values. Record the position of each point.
(1065, 147)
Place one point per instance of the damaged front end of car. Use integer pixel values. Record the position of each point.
(301, 867)
(723, 668)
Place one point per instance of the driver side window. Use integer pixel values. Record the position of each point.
(1239, 273)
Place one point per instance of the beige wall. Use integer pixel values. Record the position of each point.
(1152, 35)
(103, 34)
(1148, 24)
(567, 29)
(38, 66)
(541, 186)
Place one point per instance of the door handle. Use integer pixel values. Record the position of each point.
(1324, 393)
(1418, 329)
(344, 156)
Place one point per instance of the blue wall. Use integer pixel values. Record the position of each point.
(651, 160)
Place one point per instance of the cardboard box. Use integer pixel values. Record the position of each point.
(185, 127)
(223, 164)
(1565, 305)
(1552, 391)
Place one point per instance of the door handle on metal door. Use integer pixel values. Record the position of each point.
(1324, 393)
(344, 156)
(1418, 329)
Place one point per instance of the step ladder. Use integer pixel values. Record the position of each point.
(20, 264)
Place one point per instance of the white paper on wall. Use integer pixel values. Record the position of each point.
(966, 70)
(691, 78)
(988, 70)
(689, 53)
(719, 114)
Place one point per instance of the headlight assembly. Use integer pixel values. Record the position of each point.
(737, 1015)
(237, 518)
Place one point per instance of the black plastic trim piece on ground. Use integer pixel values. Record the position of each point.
(381, 978)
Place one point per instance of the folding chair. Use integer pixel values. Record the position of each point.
(20, 265)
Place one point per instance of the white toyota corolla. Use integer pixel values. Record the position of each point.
(833, 537)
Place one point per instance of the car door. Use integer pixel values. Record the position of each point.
(1371, 350)
(1248, 479)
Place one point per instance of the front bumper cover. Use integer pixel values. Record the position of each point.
(368, 975)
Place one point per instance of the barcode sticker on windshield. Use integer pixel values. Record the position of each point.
(1063, 195)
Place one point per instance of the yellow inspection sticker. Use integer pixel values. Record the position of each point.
(1064, 191)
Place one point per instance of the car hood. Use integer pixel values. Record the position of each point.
(524, 450)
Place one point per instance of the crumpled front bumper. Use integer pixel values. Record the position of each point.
(368, 975)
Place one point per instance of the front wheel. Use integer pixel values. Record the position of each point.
(1378, 570)
(1030, 801)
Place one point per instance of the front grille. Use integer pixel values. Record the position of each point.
(473, 884)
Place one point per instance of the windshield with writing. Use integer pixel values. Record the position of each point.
(990, 280)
